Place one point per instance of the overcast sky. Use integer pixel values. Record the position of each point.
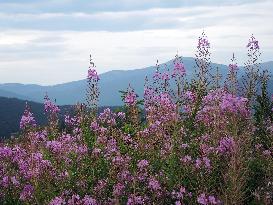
(49, 41)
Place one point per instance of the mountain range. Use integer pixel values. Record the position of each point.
(110, 84)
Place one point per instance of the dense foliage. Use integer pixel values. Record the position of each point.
(193, 143)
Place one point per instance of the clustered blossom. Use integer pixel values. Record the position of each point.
(27, 119)
(203, 43)
(161, 109)
(203, 162)
(130, 98)
(27, 193)
(218, 102)
(180, 195)
(190, 98)
(206, 200)
(165, 76)
(50, 107)
(71, 121)
(253, 44)
(233, 67)
(92, 75)
(142, 164)
(179, 69)
(226, 145)
(65, 145)
(74, 199)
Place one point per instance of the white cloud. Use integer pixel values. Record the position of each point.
(48, 56)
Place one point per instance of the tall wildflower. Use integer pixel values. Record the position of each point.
(130, 100)
(92, 92)
(52, 110)
(178, 74)
(263, 116)
(27, 120)
(161, 79)
(216, 79)
(232, 81)
(251, 77)
(202, 61)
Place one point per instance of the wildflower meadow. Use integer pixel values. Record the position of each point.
(201, 140)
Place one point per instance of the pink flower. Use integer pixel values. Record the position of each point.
(206, 162)
(202, 199)
(130, 98)
(165, 76)
(57, 201)
(50, 107)
(118, 189)
(154, 184)
(233, 67)
(253, 44)
(179, 69)
(226, 145)
(27, 193)
(266, 152)
(27, 119)
(203, 42)
(92, 75)
(186, 159)
(142, 164)
(198, 163)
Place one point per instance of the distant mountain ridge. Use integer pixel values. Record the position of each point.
(110, 84)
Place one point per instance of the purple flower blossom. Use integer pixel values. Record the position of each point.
(165, 76)
(212, 200)
(87, 200)
(233, 67)
(202, 199)
(226, 145)
(118, 189)
(203, 42)
(142, 164)
(5, 181)
(121, 115)
(253, 44)
(179, 69)
(27, 119)
(134, 200)
(130, 98)
(154, 184)
(189, 95)
(198, 163)
(71, 121)
(184, 146)
(50, 107)
(57, 201)
(266, 152)
(92, 75)
(186, 159)
(206, 162)
(14, 181)
(27, 193)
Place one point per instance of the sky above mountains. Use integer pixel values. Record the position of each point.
(48, 42)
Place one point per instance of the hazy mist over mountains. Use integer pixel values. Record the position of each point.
(110, 84)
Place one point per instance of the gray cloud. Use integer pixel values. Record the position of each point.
(92, 6)
(129, 20)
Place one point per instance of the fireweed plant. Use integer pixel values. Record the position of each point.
(198, 143)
